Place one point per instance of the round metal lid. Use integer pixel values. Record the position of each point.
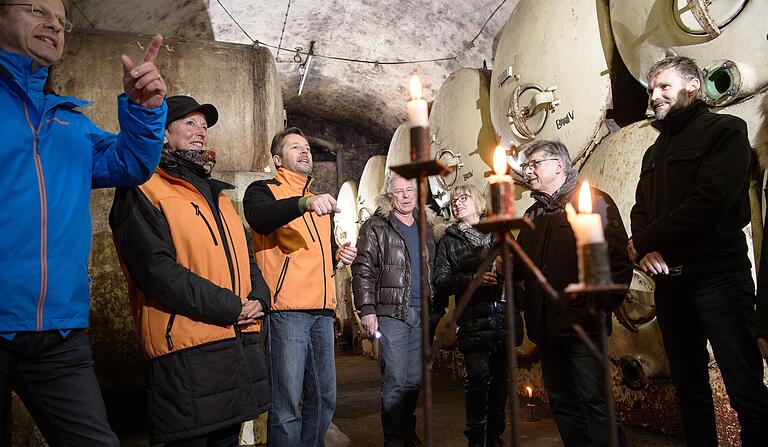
(345, 222)
(369, 188)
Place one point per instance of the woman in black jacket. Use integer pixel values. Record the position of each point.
(481, 326)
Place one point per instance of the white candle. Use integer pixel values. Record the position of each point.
(587, 226)
(501, 186)
(418, 115)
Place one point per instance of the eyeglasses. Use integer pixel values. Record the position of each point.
(533, 164)
(404, 192)
(460, 199)
(41, 12)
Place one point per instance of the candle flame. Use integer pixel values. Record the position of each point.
(585, 198)
(530, 391)
(500, 160)
(415, 87)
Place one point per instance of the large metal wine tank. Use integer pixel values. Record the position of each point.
(550, 75)
(727, 38)
(399, 148)
(371, 181)
(462, 132)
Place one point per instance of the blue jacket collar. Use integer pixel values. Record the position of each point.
(19, 67)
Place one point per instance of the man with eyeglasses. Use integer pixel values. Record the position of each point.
(573, 378)
(386, 284)
(294, 249)
(691, 203)
(53, 156)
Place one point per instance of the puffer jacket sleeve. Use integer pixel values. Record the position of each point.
(446, 278)
(366, 269)
(130, 157)
(143, 241)
(259, 288)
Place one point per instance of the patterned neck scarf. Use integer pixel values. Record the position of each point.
(481, 241)
(205, 158)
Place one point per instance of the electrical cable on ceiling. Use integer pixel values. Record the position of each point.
(282, 32)
(363, 61)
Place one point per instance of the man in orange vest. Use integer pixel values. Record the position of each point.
(295, 251)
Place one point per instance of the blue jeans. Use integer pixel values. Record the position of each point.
(573, 379)
(400, 366)
(54, 377)
(718, 308)
(301, 360)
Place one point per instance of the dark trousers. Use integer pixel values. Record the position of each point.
(718, 308)
(225, 437)
(400, 366)
(485, 395)
(573, 379)
(53, 375)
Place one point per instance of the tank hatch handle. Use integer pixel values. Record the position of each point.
(541, 102)
(700, 11)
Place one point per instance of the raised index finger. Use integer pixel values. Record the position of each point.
(153, 49)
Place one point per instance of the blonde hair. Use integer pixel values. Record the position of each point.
(477, 198)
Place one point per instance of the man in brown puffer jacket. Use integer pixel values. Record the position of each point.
(386, 283)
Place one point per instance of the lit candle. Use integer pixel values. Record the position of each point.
(530, 392)
(417, 107)
(594, 267)
(501, 186)
(587, 226)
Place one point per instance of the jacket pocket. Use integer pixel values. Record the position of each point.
(207, 224)
(281, 278)
(168, 339)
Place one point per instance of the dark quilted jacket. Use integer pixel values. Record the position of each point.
(481, 325)
(381, 272)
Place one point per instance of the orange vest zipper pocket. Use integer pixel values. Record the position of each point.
(281, 278)
(207, 224)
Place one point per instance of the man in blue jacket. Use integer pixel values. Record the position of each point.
(52, 156)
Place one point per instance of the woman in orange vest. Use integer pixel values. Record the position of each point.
(197, 296)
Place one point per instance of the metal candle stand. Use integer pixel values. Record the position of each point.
(501, 226)
(420, 169)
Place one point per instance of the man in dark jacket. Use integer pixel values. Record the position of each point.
(386, 283)
(573, 378)
(691, 205)
(196, 293)
(52, 156)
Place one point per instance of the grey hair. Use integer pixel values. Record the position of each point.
(685, 66)
(387, 186)
(384, 200)
(554, 148)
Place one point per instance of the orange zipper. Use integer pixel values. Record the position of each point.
(43, 219)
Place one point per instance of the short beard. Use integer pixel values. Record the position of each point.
(682, 102)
